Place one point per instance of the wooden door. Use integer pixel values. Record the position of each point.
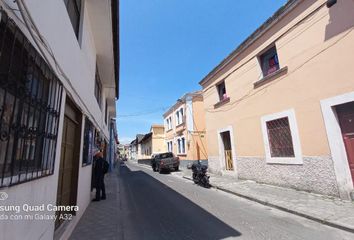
(345, 114)
(226, 139)
(69, 162)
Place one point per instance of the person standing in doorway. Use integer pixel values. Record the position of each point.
(99, 172)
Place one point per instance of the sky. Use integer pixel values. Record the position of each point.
(168, 46)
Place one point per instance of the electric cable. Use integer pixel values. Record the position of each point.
(142, 113)
(195, 125)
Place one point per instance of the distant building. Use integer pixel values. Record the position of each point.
(280, 108)
(135, 148)
(153, 142)
(123, 150)
(185, 134)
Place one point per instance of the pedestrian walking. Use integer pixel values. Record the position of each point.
(100, 169)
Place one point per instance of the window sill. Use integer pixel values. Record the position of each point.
(271, 77)
(182, 154)
(86, 164)
(285, 160)
(169, 130)
(180, 124)
(222, 102)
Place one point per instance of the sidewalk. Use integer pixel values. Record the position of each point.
(327, 210)
(101, 219)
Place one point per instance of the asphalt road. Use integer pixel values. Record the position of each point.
(163, 206)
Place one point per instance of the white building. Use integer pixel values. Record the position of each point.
(58, 86)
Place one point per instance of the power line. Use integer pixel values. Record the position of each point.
(204, 151)
(137, 114)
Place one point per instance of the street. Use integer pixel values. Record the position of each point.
(163, 206)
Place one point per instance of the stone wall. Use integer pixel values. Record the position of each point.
(316, 174)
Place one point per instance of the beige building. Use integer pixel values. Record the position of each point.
(153, 142)
(185, 128)
(280, 108)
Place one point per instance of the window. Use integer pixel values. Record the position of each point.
(222, 91)
(169, 123)
(30, 100)
(179, 116)
(98, 88)
(181, 143)
(88, 143)
(169, 146)
(74, 9)
(269, 61)
(106, 112)
(281, 138)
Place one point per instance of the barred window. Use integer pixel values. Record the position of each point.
(30, 99)
(279, 136)
(88, 143)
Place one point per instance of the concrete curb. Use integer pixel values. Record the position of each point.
(301, 214)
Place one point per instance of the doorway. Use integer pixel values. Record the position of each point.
(69, 161)
(345, 113)
(227, 150)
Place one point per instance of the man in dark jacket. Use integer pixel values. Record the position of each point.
(98, 169)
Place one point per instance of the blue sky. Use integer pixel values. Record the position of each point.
(168, 46)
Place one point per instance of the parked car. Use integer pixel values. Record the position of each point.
(164, 161)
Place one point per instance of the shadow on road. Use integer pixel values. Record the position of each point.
(152, 210)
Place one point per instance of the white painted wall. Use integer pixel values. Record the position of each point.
(77, 58)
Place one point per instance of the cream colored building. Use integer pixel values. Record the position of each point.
(280, 108)
(153, 142)
(185, 128)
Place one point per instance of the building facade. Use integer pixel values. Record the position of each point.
(58, 86)
(153, 142)
(135, 147)
(279, 109)
(146, 146)
(185, 134)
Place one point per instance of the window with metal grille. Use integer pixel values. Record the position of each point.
(74, 9)
(98, 88)
(269, 61)
(279, 136)
(30, 99)
(88, 143)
